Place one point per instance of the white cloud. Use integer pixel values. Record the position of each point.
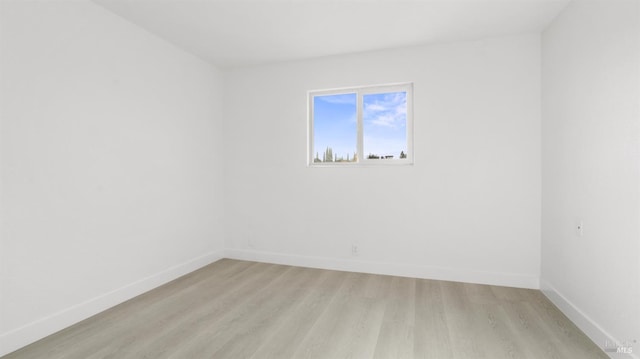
(384, 120)
(374, 107)
(345, 99)
(386, 110)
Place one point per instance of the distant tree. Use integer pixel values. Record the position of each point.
(328, 155)
(403, 155)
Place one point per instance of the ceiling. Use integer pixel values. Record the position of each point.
(232, 33)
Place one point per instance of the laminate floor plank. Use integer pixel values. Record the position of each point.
(528, 325)
(168, 314)
(241, 309)
(215, 324)
(431, 330)
(246, 336)
(493, 330)
(284, 340)
(333, 330)
(462, 323)
(105, 327)
(573, 340)
(207, 309)
(395, 339)
(360, 337)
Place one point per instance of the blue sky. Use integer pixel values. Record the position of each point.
(384, 123)
(335, 124)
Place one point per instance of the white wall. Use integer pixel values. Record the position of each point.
(111, 165)
(469, 209)
(591, 166)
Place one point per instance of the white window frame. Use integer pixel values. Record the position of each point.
(360, 92)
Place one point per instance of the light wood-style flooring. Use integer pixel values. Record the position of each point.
(239, 309)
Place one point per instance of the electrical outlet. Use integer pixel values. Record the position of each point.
(580, 228)
(354, 249)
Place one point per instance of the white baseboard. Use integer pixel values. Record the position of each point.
(396, 269)
(594, 331)
(27, 334)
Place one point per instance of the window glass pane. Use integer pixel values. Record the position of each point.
(384, 120)
(334, 128)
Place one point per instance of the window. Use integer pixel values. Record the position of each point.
(363, 125)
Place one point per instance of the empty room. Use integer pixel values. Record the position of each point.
(319, 179)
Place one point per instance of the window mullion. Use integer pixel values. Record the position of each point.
(310, 146)
(360, 130)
